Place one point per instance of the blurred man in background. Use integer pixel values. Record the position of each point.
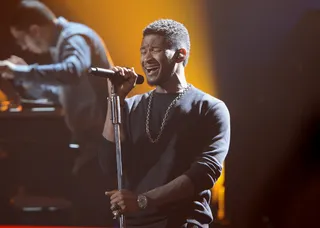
(74, 48)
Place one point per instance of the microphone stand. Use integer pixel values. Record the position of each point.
(116, 121)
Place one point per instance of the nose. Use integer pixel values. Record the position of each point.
(147, 56)
(24, 47)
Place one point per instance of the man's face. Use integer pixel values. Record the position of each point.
(156, 59)
(29, 41)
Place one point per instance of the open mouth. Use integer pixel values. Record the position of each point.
(152, 70)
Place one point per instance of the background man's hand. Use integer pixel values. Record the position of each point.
(17, 60)
(6, 69)
(7, 66)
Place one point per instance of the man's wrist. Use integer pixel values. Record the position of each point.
(21, 68)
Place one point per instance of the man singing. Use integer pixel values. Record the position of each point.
(174, 138)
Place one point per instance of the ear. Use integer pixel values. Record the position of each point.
(34, 30)
(180, 55)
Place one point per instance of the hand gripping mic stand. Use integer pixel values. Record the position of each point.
(116, 121)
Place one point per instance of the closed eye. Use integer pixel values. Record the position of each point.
(156, 50)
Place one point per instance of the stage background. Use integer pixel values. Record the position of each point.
(262, 59)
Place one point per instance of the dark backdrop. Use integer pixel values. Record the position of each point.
(267, 61)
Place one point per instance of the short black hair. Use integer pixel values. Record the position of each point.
(31, 12)
(175, 33)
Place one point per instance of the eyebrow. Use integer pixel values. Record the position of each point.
(157, 46)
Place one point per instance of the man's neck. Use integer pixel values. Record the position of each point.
(53, 33)
(171, 88)
(174, 85)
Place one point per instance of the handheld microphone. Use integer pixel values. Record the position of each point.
(106, 73)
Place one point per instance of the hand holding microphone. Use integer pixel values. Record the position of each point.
(123, 79)
(130, 80)
(113, 75)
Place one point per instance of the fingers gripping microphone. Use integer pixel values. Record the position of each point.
(106, 73)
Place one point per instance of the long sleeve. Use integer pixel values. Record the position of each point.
(205, 171)
(107, 157)
(75, 60)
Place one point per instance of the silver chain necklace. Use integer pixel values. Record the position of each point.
(164, 120)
